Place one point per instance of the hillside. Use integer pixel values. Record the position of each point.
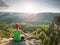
(45, 34)
(39, 18)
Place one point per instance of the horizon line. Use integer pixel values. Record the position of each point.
(32, 12)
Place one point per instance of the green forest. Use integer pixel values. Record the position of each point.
(46, 34)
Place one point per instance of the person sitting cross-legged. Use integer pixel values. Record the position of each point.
(18, 34)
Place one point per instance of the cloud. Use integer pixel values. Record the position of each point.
(3, 4)
(21, 6)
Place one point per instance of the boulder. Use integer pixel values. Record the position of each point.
(28, 41)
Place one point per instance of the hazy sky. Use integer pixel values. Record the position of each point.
(30, 6)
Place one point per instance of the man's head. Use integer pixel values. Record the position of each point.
(17, 25)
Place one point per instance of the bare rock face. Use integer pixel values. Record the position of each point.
(10, 41)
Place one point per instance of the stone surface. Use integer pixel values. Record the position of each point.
(10, 41)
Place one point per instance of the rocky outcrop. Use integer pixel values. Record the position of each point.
(10, 41)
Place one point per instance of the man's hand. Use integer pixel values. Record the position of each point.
(26, 36)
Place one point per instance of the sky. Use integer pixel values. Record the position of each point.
(30, 6)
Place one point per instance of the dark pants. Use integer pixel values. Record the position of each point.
(22, 39)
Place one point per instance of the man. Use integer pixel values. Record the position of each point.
(18, 34)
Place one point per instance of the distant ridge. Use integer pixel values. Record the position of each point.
(40, 18)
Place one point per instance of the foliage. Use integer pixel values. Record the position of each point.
(47, 34)
(57, 20)
(5, 30)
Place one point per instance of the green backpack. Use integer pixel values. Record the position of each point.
(16, 35)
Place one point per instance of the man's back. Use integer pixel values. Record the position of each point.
(16, 35)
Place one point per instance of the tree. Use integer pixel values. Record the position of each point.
(57, 20)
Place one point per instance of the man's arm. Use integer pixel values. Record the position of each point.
(22, 32)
